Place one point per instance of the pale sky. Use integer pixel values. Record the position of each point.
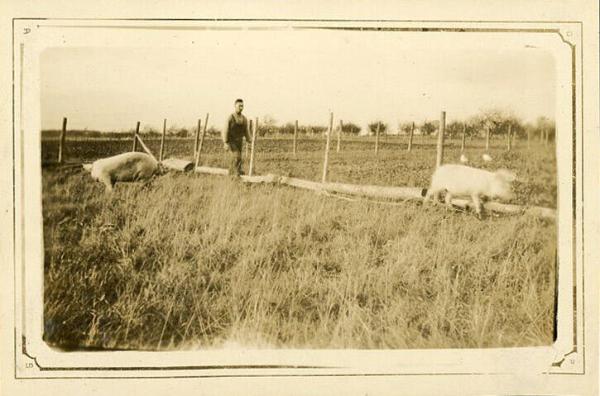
(360, 76)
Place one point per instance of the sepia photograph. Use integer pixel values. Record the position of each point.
(312, 205)
(300, 188)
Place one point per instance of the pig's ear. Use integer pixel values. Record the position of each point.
(87, 167)
(507, 175)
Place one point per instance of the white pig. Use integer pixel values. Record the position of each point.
(461, 180)
(123, 167)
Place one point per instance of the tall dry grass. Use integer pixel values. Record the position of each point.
(200, 261)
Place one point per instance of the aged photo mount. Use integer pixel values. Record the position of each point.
(36, 359)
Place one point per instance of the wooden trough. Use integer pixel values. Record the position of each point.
(169, 163)
(178, 164)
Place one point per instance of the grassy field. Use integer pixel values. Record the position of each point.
(199, 261)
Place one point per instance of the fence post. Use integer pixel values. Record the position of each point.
(339, 137)
(251, 166)
(246, 149)
(326, 161)
(61, 143)
(197, 137)
(162, 141)
(508, 142)
(145, 148)
(440, 140)
(205, 126)
(135, 135)
(487, 138)
(295, 142)
(542, 135)
(377, 138)
(410, 136)
(464, 134)
(197, 162)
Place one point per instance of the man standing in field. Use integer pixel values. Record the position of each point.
(235, 130)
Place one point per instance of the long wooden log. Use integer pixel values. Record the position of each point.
(211, 171)
(400, 193)
(538, 211)
(383, 192)
(268, 178)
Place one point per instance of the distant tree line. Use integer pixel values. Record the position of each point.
(496, 121)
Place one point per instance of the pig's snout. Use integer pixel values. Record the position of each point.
(506, 193)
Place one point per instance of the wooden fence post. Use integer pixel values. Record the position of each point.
(145, 148)
(377, 138)
(135, 135)
(197, 137)
(61, 143)
(326, 161)
(508, 137)
(543, 136)
(197, 161)
(162, 141)
(464, 134)
(295, 142)
(487, 138)
(251, 166)
(339, 137)
(246, 149)
(410, 136)
(205, 126)
(440, 140)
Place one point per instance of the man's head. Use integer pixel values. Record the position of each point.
(239, 106)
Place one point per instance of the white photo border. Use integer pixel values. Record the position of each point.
(34, 359)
